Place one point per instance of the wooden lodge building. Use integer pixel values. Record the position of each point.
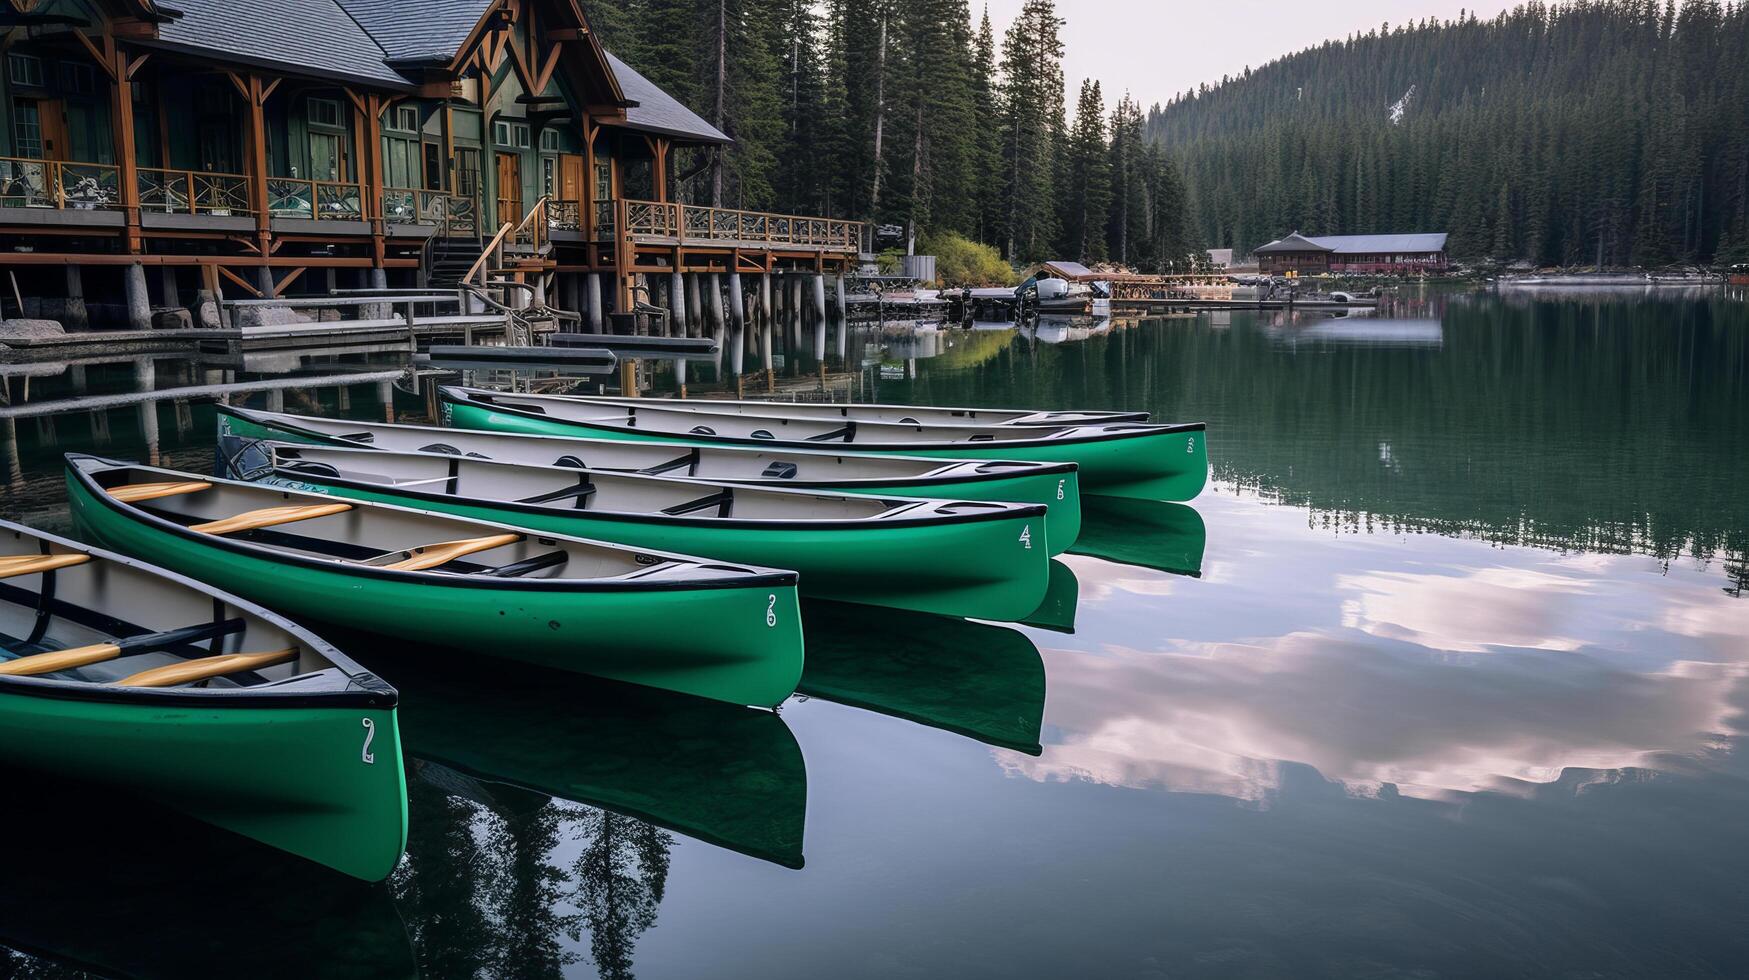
(261, 148)
(1299, 254)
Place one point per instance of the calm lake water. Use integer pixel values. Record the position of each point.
(1446, 675)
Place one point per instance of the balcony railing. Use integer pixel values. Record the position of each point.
(565, 215)
(451, 213)
(694, 223)
(193, 192)
(295, 197)
(31, 183)
(604, 211)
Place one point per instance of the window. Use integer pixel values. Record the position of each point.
(77, 79)
(27, 133)
(510, 134)
(549, 140)
(501, 133)
(25, 69)
(405, 119)
(325, 112)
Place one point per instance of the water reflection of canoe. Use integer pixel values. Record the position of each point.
(984, 682)
(189, 900)
(725, 775)
(1057, 611)
(1151, 533)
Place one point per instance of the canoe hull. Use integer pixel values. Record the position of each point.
(986, 569)
(1163, 464)
(751, 654)
(293, 777)
(1059, 491)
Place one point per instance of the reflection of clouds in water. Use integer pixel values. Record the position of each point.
(1216, 717)
(1469, 611)
(1101, 580)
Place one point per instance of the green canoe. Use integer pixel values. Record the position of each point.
(131, 676)
(868, 412)
(712, 629)
(1125, 459)
(1053, 484)
(975, 558)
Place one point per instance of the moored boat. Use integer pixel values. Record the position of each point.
(1131, 459)
(129, 675)
(866, 411)
(977, 558)
(699, 627)
(1055, 485)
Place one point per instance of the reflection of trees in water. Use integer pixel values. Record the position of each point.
(484, 895)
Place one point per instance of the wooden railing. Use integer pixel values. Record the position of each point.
(193, 192)
(30, 183)
(532, 229)
(295, 197)
(565, 215)
(693, 223)
(453, 214)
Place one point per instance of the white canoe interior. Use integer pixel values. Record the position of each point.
(317, 526)
(718, 463)
(571, 489)
(72, 616)
(868, 412)
(684, 423)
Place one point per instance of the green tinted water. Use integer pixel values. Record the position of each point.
(1446, 676)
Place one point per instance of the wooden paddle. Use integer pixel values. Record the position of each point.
(135, 492)
(53, 660)
(207, 668)
(11, 565)
(268, 517)
(444, 552)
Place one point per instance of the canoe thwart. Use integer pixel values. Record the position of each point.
(207, 668)
(136, 492)
(268, 517)
(11, 565)
(444, 552)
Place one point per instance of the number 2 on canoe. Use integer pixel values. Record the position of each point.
(370, 734)
(1026, 536)
(771, 609)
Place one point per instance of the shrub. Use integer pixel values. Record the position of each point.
(959, 261)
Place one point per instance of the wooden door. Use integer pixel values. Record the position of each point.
(51, 115)
(509, 187)
(570, 177)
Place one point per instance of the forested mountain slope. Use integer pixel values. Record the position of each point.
(1553, 133)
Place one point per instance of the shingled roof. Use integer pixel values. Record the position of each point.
(655, 111)
(309, 37)
(1357, 244)
(414, 32)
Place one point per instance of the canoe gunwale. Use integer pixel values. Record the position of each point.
(1005, 512)
(1033, 467)
(364, 689)
(716, 405)
(753, 577)
(1129, 430)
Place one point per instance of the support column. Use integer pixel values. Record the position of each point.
(713, 289)
(819, 317)
(843, 308)
(694, 306)
(737, 347)
(264, 281)
(167, 284)
(676, 305)
(139, 304)
(76, 316)
(593, 289)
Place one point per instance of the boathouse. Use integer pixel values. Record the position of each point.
(155, 153)
(1299, 254)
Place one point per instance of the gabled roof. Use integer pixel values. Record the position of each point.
(1072, 271)
(655, 111)
(1357, 244)
(307, 37)
(412, 31)
(1295, 242)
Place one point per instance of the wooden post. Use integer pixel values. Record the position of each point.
(694, 304)
(593, 291)
(820, 319)
(737, 312)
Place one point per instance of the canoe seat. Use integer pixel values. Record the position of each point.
(846, 433)
(517, 569)
(702, 430)
(268, 517)
(432, 555)
(580, 492)
(722, 500)
(11, 565)
(206, 668)
(780, 470)
(688, 460)
(135, 492)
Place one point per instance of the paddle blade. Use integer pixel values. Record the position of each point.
(48, 663)
(433, 555)
(135, 492)
(268, 517)
(207, 668)
(12, 565)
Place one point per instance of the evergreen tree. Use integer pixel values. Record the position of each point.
(1086, 195)
(1031, 114)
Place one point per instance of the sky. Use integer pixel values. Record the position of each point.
(1155, 48)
